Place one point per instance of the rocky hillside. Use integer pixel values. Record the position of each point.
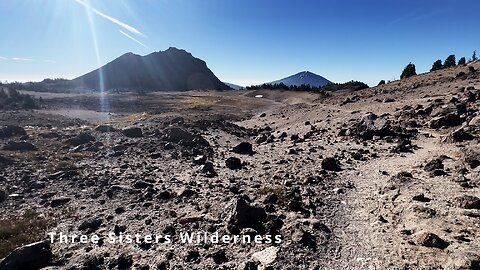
(170, 70)
(381, 178)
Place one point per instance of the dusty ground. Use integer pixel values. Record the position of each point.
(345, 189)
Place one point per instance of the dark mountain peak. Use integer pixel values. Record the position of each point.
(170, 70)
(304, 77)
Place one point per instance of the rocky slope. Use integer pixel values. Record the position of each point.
(381, 178)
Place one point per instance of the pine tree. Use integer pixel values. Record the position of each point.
(382, 82)
(450, 61)
(408, 71)
(437, 65)
(474, 56)
(462, 61)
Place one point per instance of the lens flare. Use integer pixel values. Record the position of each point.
(104, 105)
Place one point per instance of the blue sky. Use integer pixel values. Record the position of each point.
(244, 42)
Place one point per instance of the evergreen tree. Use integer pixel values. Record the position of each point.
(382, 82)
(462, 61)
(408, 71)
(450, 61)
(474, 56)
(437, 65)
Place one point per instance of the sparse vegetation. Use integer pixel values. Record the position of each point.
(12, 99)
(408, 71)
(18, 231)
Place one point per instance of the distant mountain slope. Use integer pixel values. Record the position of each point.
(170, 70)
(233, 86)
(304, 77)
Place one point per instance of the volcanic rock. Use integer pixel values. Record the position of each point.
(233, 163)
(331, 164)
(244, 148)
(133, 132)
(30, 257)
(10, 131)
(19, 146)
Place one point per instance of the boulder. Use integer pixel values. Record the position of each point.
(246, 215)
(233, 163)
(105, 128)
(243, 148)
(10, 131)
(90, 224)
(200, 159)
(207, 170)
(266, 256)
(468, 202)
(133, 132)
(80, 139)
(30, 257)
(434, 164)
(261, 138)
(19, 146)
(449, 120)
(331, 164)
(176, 134)
(56, 202)
(431, 240)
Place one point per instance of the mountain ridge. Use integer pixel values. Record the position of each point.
(170, 70)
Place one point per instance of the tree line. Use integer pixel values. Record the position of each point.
(450, 61)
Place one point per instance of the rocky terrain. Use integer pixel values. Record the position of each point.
(381, 178)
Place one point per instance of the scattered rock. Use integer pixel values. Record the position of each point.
(434, 164)
(463, 261)
(10, 131)
(421, 198)
(56, 202)
(142, 184)
(80, 139)
(266, 256)
(261, 138)
(245, 215)
(30, 257)
(331, 164)
(124, 261)
(176, 134)
(207, 170)
(90, 225)
(19, 146)
(133, 132)
(105, 128)
(431, 240)
(468, 202)
(200, 159)
(449, 120)
(233, 163)
(244, 148)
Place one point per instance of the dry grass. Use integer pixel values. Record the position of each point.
(277, 190)
(192, 102)
(18, 231)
